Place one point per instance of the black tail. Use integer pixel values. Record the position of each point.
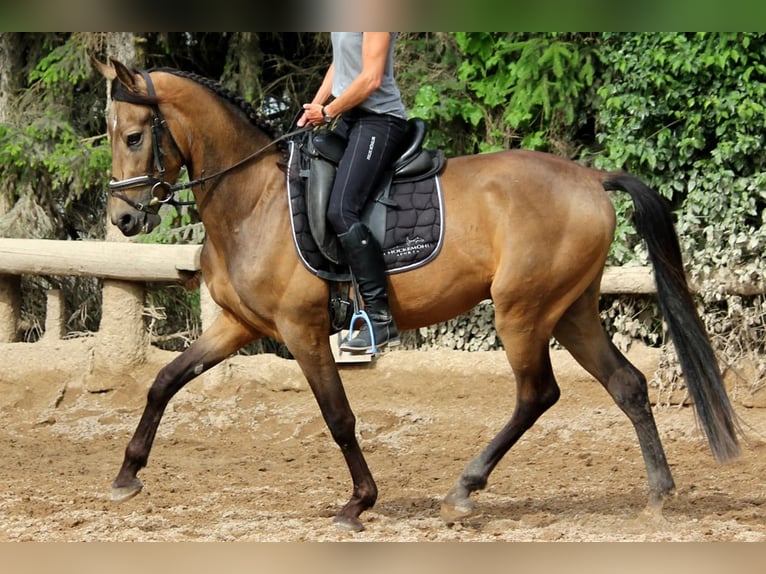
(695, 353)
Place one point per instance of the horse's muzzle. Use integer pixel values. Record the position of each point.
(134, 222)
(139, 215)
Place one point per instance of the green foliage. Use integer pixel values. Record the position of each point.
(683, 111)
(50, 156)
(512, 89)
(686, 113)
(535, 79)
(44, 153)
(66, 64)
(425, 70)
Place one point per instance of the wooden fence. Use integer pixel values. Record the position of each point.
(126, 268)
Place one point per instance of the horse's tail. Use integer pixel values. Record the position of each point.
(695, 353)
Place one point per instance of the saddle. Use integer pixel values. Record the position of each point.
(324, 150)
(405, 214)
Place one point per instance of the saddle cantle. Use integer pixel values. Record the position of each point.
(405, 214)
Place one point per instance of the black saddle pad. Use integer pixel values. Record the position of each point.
(414, 230)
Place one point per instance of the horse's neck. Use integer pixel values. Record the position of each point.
(219, 137)
(217, 147)
(220, 141)
(249, 198)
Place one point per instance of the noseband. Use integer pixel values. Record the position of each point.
(162, 191)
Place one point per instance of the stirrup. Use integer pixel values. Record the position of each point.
(391, 339)
(362, 315)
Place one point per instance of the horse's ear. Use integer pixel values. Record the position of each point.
(124, 75)
(104, 69)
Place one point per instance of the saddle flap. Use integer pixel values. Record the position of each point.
(318, 188)
(411, 211)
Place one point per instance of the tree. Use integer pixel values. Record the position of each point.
(8, 62)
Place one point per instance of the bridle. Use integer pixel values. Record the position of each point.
(163, 192)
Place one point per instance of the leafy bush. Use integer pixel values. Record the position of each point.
(504, 89)
(686, 113)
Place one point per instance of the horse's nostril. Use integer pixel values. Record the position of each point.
(128, 224)
(125, 221)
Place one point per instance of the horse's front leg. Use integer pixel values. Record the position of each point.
(318, 365)
(224, 337)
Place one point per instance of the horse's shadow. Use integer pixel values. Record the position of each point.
(497, 508)
(629, 505)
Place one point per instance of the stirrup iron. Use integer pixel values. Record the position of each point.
(361, 314)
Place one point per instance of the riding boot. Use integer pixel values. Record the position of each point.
(364, 257)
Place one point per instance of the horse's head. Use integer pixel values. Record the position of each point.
(145, 158)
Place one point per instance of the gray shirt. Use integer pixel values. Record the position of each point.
(347, 59)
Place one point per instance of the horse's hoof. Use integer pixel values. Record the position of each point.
(451, 513)
(126, 492)
(657, 499)
(348, 524)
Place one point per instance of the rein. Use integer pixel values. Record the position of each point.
(162, 191)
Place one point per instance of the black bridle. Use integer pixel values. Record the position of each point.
(163, 192)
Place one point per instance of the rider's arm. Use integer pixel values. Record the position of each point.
(374, 53)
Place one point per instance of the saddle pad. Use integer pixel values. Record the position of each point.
(414, 230)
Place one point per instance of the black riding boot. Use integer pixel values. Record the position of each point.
(365, 259)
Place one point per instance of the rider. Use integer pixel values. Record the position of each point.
(373, 119)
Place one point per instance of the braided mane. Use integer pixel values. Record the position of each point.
(255, 118)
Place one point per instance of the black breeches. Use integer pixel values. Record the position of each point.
(374, 143)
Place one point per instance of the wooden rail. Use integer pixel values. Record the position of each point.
(142, 262)
(105, 259)
(640, 280)
(126, 267)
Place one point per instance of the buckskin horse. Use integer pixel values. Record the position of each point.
(528, 230)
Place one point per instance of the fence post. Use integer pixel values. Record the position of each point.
(209, 311)
(54, 316)
(10, 303)
(123, 340)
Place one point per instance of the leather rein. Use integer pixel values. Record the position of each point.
(163, 192)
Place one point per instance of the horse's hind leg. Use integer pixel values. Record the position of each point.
(224, 337)
(581, 332)
(537, 391)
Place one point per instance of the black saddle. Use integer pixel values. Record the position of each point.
(325, 149)
(414, 161)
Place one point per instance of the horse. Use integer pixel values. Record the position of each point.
(529, 230)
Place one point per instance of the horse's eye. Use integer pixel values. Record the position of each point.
(133, 139)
